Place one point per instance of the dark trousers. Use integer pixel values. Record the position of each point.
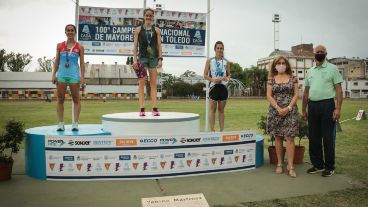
(322, 129)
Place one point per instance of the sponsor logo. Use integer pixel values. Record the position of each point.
(197, 37)
(213, 160)
(70, 167)
(186, 53)
(179, 47)
(68, 158)
(236, 158)
(172, 164)
(229, 160)
(124, 157)
(179, 155)
(83, 158)
(230, 138)
(126, 167)
(189, 162)
(102, 142)
(79, 166)
(124, 51)
(53, 157)
(244, 157)
(228, 152)
(206, 163)
(97, 158)
(117, 166)
(181, 164)
(211, 139)
(107, 166)
(55, 143)
(198, 162)
(135, 165)
(206, 154)
(61, 166)
(98, 167)
(89, 166)
(192, 154)
(79, 143)
(145, 165)
(162, 164)
(168, 141)
(154, 166)
(106, 157)
(126, 142)
(185, 140)
(247, 136)
(148, 141)
(85, 34)
(52, 165)
(222, 160)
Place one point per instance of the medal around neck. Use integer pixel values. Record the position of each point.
(149, 50)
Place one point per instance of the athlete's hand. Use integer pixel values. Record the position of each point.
(82, 81)
(135, 65)
(53, 79)
(217, 80)
(159, 64)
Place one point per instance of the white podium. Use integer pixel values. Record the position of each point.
(168, 123)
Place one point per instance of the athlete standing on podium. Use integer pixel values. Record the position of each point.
(217, 71)
(147, 39)
(68, 73)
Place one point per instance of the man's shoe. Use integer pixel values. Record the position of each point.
(75, 126)
(328, 173)
(60, 127)
(314, 170)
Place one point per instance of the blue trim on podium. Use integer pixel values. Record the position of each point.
(259, 151)
(35, 145)
(35, 156)
(152, 176)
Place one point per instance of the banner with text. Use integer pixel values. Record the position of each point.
(139, 157)
(110, 31)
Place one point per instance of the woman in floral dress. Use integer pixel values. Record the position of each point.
(282, 93)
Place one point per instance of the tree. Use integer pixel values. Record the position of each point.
(45, 65)
(256, 79)
(197, 89)
(17, 62)
(182, 89)
(3, 59)
(167, 83)
(237, 72)
(188, 74)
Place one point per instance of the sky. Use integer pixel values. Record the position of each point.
(245, 27)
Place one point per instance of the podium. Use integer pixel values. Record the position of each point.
(127, 146)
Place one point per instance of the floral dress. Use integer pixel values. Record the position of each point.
(286, 126)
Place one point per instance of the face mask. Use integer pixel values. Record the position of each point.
(320, 57)
(281, 68)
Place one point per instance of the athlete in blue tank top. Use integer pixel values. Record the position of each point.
(67, 72)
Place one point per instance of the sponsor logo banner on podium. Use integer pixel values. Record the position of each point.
(140, 157)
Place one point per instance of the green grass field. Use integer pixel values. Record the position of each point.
(240, 114)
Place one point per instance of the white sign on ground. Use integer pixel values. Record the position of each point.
(191, 200)
(361, 115)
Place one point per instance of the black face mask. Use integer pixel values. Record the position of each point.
(320, 57)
